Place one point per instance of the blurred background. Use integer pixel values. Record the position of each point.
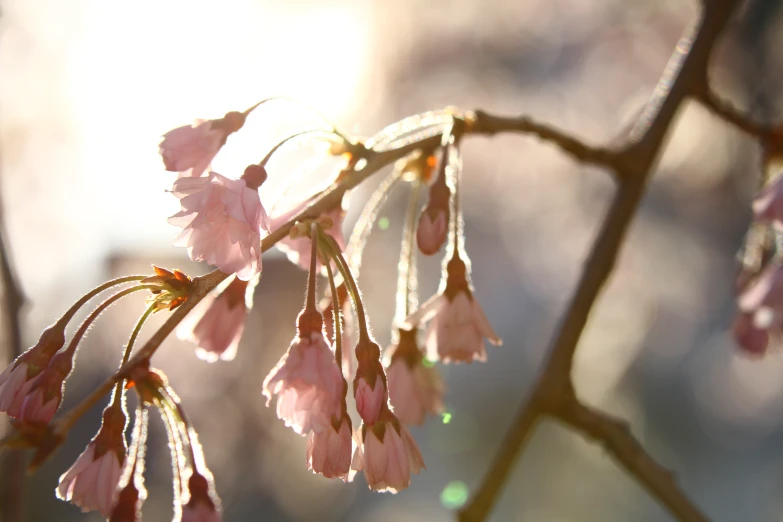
(88, 87)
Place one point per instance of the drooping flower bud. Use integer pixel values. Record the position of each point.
(216, 324)
(91, 481)
(369, 385)
(306, 380)
(191, 148)
(329, 452)
(414, 389)
(458, 325)
(433, 227)
(387, 454)
(17, 379)
(44, 397)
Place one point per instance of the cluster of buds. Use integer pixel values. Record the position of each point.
(225, 224)
(760, 282)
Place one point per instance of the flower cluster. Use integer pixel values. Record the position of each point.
(225, 224)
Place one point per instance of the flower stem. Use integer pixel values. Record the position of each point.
(406, 279)
(366, 220)
(323, 133)
(315, 111)
(338, 342)
(65, 422)
(77, 337)
(129, 347)
(334, 252)
(311, 282)
(66, 318)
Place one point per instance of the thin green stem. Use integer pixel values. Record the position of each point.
(338, 342)
(321, 132)
(129, 347)
(334, 252)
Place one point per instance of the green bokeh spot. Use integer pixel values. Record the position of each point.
(383, 223)
(427, 363)
(446, 417)
(454, 495)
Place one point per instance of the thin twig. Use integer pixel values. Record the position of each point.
(729, 113)
(615, 435)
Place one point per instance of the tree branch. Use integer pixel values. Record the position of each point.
(554, 394)
(490, 125)
(615, 435)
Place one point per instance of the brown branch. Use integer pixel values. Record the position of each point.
(488, 124)
(730, 114)
(553, 393)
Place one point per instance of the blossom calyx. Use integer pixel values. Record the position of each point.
(254, 176)
(174, 288)
(200, 507)
(148, 382)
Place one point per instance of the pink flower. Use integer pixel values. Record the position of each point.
(217, 324)
(19, 376)
(459, 326)
(387, 453)
(191, 148)
(92, 480)
(768, 205)
(200, 507)
(431, 233)
(308, 384)
(298, 249)
(329, 452)
(369, 399)
(414, 389)
(222, 220)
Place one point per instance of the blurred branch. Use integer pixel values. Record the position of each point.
(553, 394)
(726, 111)
(12, 464)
